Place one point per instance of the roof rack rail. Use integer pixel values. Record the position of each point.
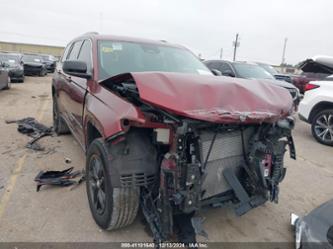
(91, 33)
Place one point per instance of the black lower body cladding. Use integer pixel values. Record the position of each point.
(133, 161)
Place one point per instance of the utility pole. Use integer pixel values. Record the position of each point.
(284, 51)
(235, 44)
(221, 53)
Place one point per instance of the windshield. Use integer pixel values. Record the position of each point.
(31, 58)
(269, 69)
(117, 57)
(11, 59)
(250, 71)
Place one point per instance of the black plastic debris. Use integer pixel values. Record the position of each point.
(58, 178)
(68, 160)
(31, 127)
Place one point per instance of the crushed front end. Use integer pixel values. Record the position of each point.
(211, 165)
(220, 154)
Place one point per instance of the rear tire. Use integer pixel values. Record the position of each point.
(111, 208)
(322, 127)
(59, 124)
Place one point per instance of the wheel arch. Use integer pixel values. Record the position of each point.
(319, 107)
(92, 130)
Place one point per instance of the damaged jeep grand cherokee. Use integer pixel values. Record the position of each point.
(162, 133)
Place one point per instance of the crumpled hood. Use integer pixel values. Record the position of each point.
(214, 99)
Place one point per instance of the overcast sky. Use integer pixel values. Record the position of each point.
(204, 26)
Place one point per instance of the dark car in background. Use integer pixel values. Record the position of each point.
(275, 73)
(251, 71)
(14, 64)
(33, 65)
(4, 76)
(50, 62)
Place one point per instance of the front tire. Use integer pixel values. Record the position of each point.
(322, 127)
(59, 125)
(111, 208)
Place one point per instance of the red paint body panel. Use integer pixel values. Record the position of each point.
(214, 99)
(106, 110)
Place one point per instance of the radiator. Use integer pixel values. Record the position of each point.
(226, 152)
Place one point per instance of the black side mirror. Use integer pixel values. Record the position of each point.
(216, 72)
(229, 73)
(76, 68)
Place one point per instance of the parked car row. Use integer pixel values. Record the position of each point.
(251, 70)
(315, 83)
(18, 65)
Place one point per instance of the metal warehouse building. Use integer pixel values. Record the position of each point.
(31, 48)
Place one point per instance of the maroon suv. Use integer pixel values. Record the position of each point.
(162, 133)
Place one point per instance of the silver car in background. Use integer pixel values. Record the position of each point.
(4, 76)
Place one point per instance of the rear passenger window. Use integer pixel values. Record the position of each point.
(64, 56)
(75, 51)
(85, 54)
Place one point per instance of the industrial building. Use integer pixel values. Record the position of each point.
(31, 48)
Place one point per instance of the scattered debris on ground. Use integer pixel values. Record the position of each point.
(59, 178)
(43, 95)
(31, 127)
(68, 160)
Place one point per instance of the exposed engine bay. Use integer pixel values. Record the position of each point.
(205, 164)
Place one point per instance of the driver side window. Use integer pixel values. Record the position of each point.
(85, 55)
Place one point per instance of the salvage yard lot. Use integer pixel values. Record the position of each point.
(62, 215)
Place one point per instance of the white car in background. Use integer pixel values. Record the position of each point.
(316, 108)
